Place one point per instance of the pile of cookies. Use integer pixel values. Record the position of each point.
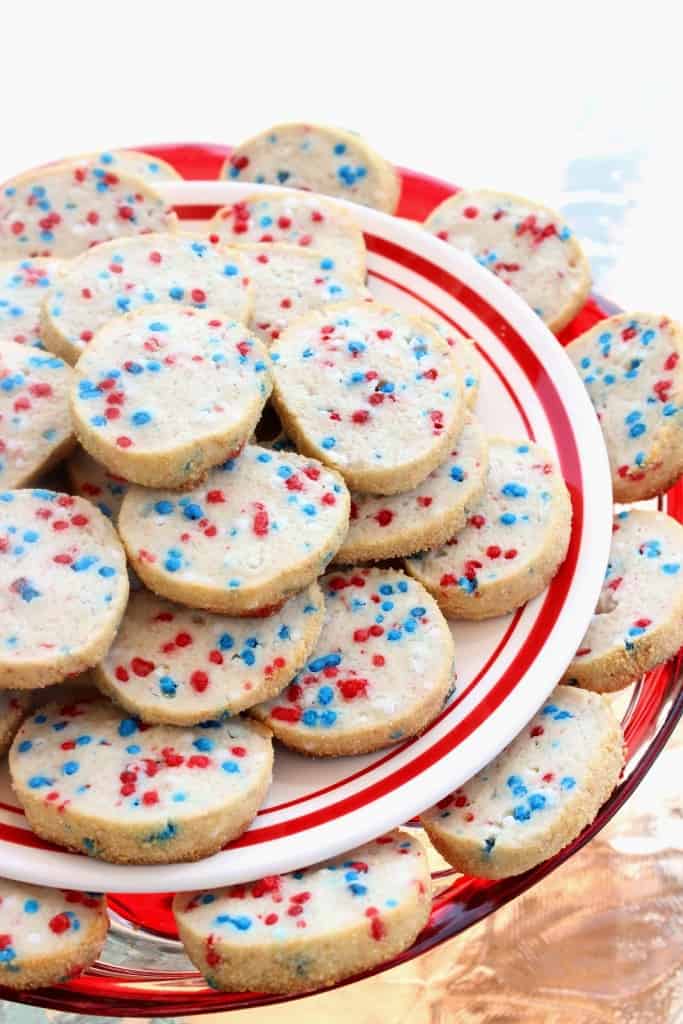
(208, 583)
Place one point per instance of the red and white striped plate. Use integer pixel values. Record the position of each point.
(506, 667)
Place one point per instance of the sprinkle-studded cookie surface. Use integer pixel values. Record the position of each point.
(309, 928)
(536, 796)
(370, 391)
(93, 481)
(130, 161)
(381, 670)
(466, 357)
(631, 366)
(23, 286)
(63, 586)
(96, 780)
(260, 528)
(35, 425)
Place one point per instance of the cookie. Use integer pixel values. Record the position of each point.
(35, 426)
(181, 666)
(91, 480)
(64, 209)
(48, 936)
(142, 368)
(23, 285)
(526, 245)
(317, 158)
(310, 928)
(259, 529)
(425, 517)
(14, 706)
(537, 795)
(370, 391)
(515, 540)
(638, 622)
(309, 221)
(380, 672)
(63, 587)
(631, 366)
(95, 780)
(132, 273)
(290, 281)
(466, 357)
(129, 161)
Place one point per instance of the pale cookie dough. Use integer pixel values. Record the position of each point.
(319, 159)
(370, 391)
(63, 587)
(466, 357)
(380, 672)
(309, 221)
(35, 426)
(425, 517)
(181, 665)
(23, 286)
(90, 480)
(631, 366)
(638, 622)
(133, 273)
(515, 540)
(95, 780)
(526, 245)
(290, 281)
(310, 928)
(129, 161)
(259, 529)
(537, 795)
(14, 706)
(64, 209)
(48, 936)
(162, 395)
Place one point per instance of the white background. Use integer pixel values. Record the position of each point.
(576, 104)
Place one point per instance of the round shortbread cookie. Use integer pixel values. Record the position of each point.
(290, 281)
(91, 480)
(63, 587)
(631, 366)
(515, 540)
(181, 666)
(537, 795)
(425, 517)
(370, 391)
(35, 426)
(64, 209)
(134, 273)
(317, 158)
(113, 788)
(23, 285)
(14, 706)
(380, 672)
(310, 928)
(466, 357)
(292, 218)
(526, 245)
(130, 161)
(260, 528)
(48, 936)
(141, 369)
(638, 622)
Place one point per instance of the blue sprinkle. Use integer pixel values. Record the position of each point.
(127, 726)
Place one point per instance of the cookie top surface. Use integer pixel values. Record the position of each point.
(62, 576)
(141, 369)
(98, 762)
(93, 481)
(355, 888)
(130, 161)
(34, 411)
(289, 281)
(465, 353)
(37, 922)
(527, 245)
(370, 389)
(177, 664)
(384, 646)
(129, 274)
(316, 158)
(65, 209)
(23, 286)
(255, 520)
(309, 221)
(631, 366)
